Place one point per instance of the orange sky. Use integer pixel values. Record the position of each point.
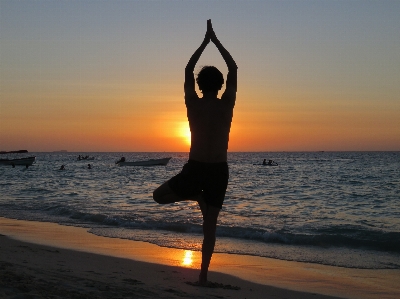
(88, 76)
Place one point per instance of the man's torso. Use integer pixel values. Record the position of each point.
(210, 122)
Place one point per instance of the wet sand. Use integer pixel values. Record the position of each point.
(40, 260)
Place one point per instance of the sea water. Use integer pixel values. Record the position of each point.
(332, 208)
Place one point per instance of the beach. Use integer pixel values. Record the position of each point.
(48, 260)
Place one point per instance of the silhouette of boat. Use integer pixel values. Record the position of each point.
(28, 161)
(151, 162)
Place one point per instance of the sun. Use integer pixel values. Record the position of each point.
(184, 132)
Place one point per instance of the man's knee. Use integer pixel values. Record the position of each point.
(209, 229)
(157, 195)
(165, 195)
(210, 226)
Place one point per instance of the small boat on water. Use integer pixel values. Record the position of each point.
(28, 161)
(151, 162)
(80, 158)
(269, 163)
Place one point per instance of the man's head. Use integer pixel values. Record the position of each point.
(210, 79)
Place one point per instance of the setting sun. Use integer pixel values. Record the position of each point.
(184, 132)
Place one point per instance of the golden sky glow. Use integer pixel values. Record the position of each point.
(102, 76)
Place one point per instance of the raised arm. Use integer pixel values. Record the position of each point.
(232, 67)
(189, 76)
(231, 81)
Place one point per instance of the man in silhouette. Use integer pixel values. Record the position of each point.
(204, 177)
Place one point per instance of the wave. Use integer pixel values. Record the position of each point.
(355, 237)
(364, 249)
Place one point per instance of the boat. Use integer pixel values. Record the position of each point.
(28, 161)
(80, 158)
(269, 163)
(151, 162)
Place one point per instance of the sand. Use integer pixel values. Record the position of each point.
(47, 260)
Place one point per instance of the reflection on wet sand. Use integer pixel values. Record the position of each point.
(187, 258)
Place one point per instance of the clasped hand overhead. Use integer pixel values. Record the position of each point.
(210, 34)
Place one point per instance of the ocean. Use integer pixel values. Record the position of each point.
(332, 208)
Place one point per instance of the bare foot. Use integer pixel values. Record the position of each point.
(203, 279)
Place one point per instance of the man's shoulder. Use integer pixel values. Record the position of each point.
(228, 99)
(191, 98)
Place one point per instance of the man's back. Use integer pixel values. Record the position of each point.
(210, 122)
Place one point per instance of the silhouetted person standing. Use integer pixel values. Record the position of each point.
(204, 177)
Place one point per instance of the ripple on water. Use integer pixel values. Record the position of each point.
(306, 193)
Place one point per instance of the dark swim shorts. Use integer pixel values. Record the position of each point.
(208, 179)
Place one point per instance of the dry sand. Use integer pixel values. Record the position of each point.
(46, 260)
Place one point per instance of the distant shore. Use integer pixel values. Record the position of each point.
(43, 259)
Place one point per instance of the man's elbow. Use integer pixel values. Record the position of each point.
(234, 66)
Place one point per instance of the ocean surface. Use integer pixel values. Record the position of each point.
(332, 208)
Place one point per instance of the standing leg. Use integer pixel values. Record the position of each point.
(209, 229)
(202, 205)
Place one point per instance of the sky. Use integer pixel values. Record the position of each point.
(100, 76)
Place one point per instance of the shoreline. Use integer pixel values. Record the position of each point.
(151, 269)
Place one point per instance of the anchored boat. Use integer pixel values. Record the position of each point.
(151, 162)
(28, 161)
